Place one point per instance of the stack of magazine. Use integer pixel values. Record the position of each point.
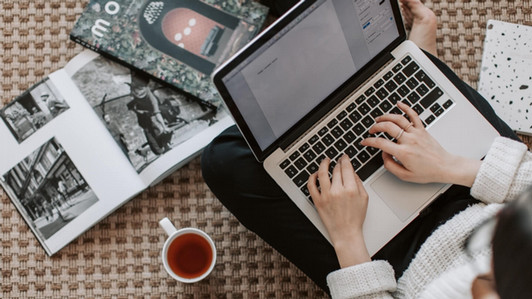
(115, 120)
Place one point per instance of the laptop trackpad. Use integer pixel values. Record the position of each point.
(401, 197)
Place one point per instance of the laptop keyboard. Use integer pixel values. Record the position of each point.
(405, 82)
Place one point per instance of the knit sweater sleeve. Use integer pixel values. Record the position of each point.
(505, 172)
(368, 280)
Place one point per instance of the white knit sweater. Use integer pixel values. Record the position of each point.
(439, 269)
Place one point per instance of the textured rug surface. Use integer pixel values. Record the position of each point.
(120, 256)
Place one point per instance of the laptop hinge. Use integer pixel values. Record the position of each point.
(338, 100)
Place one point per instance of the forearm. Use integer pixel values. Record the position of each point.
(160, 118)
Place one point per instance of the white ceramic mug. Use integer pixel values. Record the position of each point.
(189, 254)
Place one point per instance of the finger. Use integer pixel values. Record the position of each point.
(398, 119)
(323, 174)
(388, 127)
(360, 186)
(348, 173)
(313, 187)
(383, 144)
(337, 174)
(392, 166)
(412, 115)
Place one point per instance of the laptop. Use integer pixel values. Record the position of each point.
(310, 86)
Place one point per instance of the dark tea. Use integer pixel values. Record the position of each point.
(189, 256)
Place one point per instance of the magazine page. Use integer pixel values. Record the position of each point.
(190, 141)
(64, 172)
(178, 41)
(157, 128)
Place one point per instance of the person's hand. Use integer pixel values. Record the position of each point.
(342, 204)
(416, 156)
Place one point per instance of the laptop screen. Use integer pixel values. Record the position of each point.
(292, 73)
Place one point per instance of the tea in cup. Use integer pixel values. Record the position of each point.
(189, 254)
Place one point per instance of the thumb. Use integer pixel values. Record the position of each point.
(394, 167)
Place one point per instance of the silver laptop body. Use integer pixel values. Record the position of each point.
(309, 85)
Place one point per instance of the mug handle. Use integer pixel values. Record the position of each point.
(167, 225)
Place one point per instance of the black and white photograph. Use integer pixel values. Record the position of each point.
(49, 188)
(33, 109)
(145, 118)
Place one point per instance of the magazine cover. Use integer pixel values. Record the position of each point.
(178, 41)
(505, 73)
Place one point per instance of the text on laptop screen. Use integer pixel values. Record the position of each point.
(308, 59)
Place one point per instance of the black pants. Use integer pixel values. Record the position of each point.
(278, 7)
(243, 186)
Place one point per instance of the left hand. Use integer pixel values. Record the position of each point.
(342, 204)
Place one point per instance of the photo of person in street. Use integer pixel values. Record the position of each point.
(145, 118)
(49, 189)
(149, 116)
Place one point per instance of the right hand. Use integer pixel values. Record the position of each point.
(416, 156)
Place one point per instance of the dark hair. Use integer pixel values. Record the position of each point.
(512, 248)
(139, 79)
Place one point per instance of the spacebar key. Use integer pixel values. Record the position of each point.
(371, 166)
(434, 95)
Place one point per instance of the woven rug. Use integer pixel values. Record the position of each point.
(119, 257)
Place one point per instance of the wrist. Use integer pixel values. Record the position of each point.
(351, 250)
(464, 171)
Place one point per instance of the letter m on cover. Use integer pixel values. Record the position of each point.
(100, 26)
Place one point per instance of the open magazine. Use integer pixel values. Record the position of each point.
(89, 137)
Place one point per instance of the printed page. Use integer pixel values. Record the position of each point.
(187, 143)
(64, 172)
(157, 128)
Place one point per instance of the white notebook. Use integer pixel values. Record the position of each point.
(506, 73)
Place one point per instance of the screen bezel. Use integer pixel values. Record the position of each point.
(319, 111)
